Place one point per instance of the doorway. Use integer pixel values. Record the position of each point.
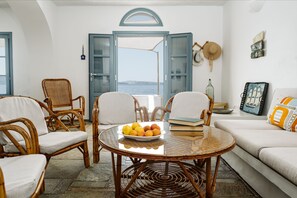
(140, 68)
(174, 76)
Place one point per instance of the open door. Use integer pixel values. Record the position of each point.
(101, 66)
(178, 77)
(103, 71)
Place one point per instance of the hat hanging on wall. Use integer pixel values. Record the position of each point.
(197, 54)
(197, 57)
(211, 51)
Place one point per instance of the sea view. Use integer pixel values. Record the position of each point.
(140, 88)
(131, 87)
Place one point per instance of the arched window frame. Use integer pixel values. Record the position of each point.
(136, 11)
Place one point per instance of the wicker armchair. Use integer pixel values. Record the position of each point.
(58, 96)
(111, 109)
(27, 170)
(187, 104)
(28, 114)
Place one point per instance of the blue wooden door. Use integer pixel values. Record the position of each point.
(178, 77)
(101, 66)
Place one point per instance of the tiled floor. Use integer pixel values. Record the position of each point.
(66, 176)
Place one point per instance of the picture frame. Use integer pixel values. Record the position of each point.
(253, 97)
(257, 49)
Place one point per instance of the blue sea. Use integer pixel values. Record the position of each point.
(133, 89)
(140, 88)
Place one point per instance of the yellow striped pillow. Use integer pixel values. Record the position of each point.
(284, 114)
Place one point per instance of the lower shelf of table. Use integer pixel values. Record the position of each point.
(163, 180)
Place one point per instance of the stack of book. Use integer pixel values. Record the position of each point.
(220, 105)
(183, 124)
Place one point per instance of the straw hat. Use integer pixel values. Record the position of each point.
(212, 50)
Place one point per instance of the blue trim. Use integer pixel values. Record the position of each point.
(9, 71)
(135, 11)
(187, 56)
(92, 56)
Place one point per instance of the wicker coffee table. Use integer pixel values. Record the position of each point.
(175, 165)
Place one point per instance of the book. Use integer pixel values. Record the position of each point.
(186, 121)
(220, 105)
(191, 135)
(182, 128)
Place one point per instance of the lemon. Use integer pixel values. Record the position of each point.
(135, 124)
(126, 129)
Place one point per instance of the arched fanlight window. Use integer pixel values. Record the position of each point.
(141, 17)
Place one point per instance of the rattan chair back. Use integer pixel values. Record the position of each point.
(59, 90)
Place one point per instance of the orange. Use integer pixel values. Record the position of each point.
(154, 126)
(156, 132)
(149, 133)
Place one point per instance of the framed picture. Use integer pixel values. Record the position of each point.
(257, 49)
(253, 97)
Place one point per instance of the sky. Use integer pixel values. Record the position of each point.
(139, 65)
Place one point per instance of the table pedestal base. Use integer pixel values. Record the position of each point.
(162, 179)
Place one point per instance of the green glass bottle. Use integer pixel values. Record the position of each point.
(209, 90)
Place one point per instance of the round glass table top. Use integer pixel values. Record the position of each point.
(171, 146)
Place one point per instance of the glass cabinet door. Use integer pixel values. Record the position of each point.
(179, 63)
(101, 67)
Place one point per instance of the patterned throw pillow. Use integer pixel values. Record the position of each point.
(284, 114)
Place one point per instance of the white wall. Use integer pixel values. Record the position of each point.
(278, 67)
(9, 23)
(69, 28)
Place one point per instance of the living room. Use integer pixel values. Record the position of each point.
(47, 40)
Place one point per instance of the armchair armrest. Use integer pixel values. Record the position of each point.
(82, 103)
(163, 112)
(206, 116)
(143, 114)
(56, 116)
(49, 102)
(30, 135)
(82, 126)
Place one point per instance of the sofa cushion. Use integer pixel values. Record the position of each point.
(284, 114)
(279, 94)
(228, 125)
(22, 174)
(54, 141)
(281, 159)
(254, 140)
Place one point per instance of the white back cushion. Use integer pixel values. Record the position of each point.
(189, 104)
(279, 94)
(116, 108)
(18, 107)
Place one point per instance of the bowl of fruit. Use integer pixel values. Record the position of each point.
(141, 133)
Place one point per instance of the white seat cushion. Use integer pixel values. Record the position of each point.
(283, 160)
(189, 104)
(17, 107)
(54, 141)
(22, 174)
(228, 125)
(254, 140)
(116, 108)
(104, 127)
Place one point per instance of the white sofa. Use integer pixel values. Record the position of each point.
(265, 155)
